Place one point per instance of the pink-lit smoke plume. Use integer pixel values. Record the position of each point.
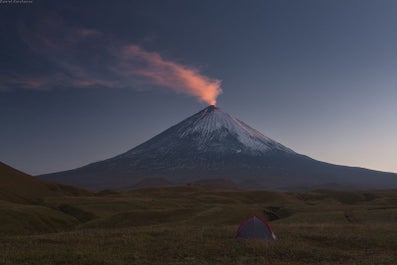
(86, 57)
(173, 75)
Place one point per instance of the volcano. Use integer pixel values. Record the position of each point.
(212, 144)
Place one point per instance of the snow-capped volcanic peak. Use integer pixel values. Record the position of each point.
(213, 122)
(209, 131)
(211, 144)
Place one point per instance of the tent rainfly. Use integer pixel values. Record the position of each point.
(254, 227)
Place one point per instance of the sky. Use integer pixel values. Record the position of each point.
(83, 81)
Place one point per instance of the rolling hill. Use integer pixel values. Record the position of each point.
(19, 187)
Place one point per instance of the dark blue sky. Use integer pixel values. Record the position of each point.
(81, 81)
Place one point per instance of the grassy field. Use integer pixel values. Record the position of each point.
(187, 225)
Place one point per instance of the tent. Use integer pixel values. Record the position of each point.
(254, 227)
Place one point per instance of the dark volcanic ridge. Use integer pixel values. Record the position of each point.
(211, 144)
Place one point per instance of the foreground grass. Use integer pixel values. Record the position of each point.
(297, 244)
(192, 226)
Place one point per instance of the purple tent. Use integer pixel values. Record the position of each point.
(254, 227)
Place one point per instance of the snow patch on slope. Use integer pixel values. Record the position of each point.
(212, 121)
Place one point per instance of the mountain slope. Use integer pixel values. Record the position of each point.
(213, 144)
(16, 186)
